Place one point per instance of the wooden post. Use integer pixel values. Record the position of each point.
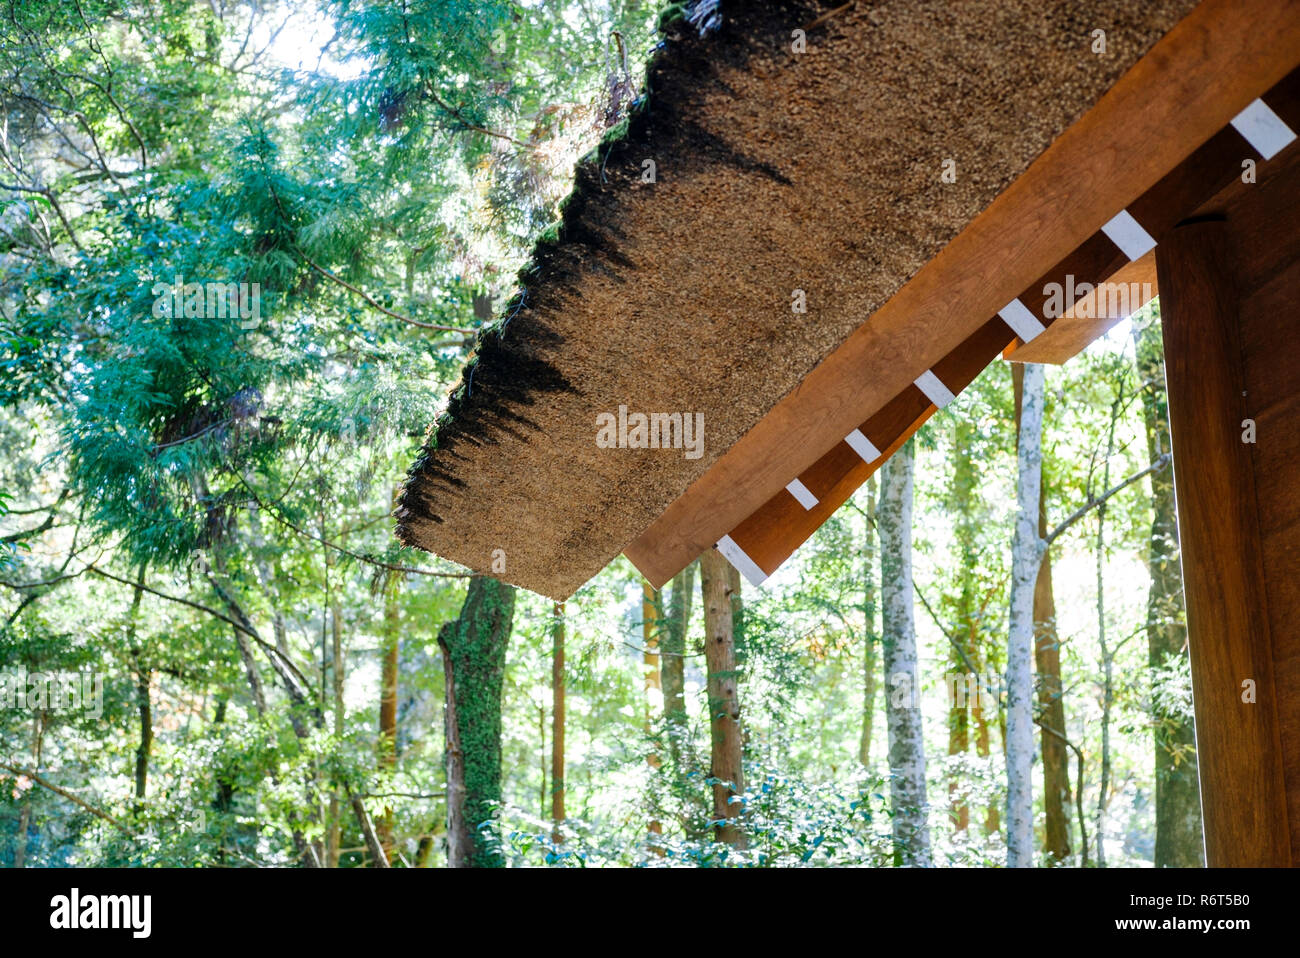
(1238, 742)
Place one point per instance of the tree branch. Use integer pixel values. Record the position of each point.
(81, 803)
(1095, 501)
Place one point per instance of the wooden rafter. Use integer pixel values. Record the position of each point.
(1155, 147)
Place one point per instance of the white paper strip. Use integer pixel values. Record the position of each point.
(1128, 234)
(1022, 322)
(802, 493)
(934, 389)
(1263, 129)
(862, 446)
(743, 563)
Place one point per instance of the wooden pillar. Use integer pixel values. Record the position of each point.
(1239, 750)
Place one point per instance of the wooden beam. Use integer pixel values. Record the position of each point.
(1091, 317)
(1238, 742)
(775, 529)
(1186, 89)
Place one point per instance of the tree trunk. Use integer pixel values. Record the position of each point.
(543, 791)
(557, 721)
(389, 655)
(1051, 693)
(334, 830)
(964, 481)
(1051, 704)
(25, 815)
(672, 668)
(144, 705)
(653, 693)
(1026, 555)
(869, 636)
(898, 631)
(726, 770)
(264, 575)
(474, 658)
(1107, 655)
(1179, 842)
(241, 639)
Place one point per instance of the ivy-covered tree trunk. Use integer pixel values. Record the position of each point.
(474, 659)
(1179, 842)
(1026, 554)
(725, 769)
(907, 796)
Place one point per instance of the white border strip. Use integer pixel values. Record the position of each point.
(1263, 129)
(802, 493)
(743, 563)
(863, 446)
(1022, 322)
(1127, 233)
(934, 389)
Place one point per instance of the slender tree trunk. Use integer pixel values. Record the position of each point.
(1026, 555)
(1107, 655)
(964, 480)
(20, 839)
(1051, 693)
(301, 708)
(241, 639)
(653, 692)
(1179, 841)
(1051, 704)
(1107, 688)
(726, 769)
(474, 658)
(25, 814)
(378, 855)
(898, 631)
(673, 666)
(543, 793)
(870, 638)
(143, 688)
(389, 653)
(265, 576)
(983, 744)
(557, 722)
(334, 833)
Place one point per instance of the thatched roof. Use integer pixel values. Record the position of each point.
(775, 171)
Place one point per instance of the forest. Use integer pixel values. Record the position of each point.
(246, 250)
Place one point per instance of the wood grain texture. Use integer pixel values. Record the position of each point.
(1239, 747)
(776, 529)
(773, 532)
(1072, 333)
(1265, 231)
(1177, 97)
